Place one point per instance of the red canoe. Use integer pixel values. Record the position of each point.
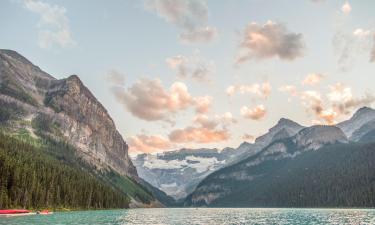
(13, 211)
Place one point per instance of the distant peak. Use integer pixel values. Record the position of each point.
(286, 122)
(15, 55)
(245, 143)
(73, 77)
(363, 111)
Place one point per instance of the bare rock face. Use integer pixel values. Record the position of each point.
(317, 136)
(77, 115)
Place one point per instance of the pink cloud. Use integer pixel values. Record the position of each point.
(149, 143)
(312, 79)
(256, 113)
(269, 40)
(198, 135)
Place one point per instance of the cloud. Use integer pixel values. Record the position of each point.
(194, 67)
(148, 100)
(346, 8)
(205, 129)
(312, 100)
(291, 89)
(203, 104)
(248, 137)
(256, 113)
(116, 78)
(214, 121)
(198, 135)
(190, 16)
(149, 143)
(262, 90)
(342, 99)
(337, 102)
(53, 25)
(361, 33)
(372, 57)
(312, 79)
(348, 44)
(269, 40)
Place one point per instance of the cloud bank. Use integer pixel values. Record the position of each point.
(53, 25)
(190, 16)
(269, 40)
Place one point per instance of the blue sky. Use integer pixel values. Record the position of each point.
(169, 71)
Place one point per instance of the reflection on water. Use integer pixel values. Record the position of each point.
(204, 216)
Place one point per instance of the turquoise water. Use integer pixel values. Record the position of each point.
(202, 216)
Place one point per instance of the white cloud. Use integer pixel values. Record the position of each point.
(203, 104)
(116, 78)
(198, 135)
(349, 44)
(312, 79)
(269, 40)
(328, 108)
(262, 90)
(256, 113)
(147, 99)
(53, 25)
(149, 143)
(361, 32)
(191, 16)
(194, 67)
(291, 89)
(346, 8)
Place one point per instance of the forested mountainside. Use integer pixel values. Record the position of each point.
(32, 178)
(341, 175)
(317, 167)
(62, 116)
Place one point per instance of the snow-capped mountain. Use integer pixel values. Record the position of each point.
(178, 172)
(233, 181)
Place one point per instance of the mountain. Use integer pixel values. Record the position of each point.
(339, 175)
(240, 179)
(44, 109)
(352, 127)
(283, 128)
(178, 172)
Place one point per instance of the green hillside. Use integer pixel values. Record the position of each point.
(42, 173)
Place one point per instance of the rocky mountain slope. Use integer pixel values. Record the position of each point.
(282, 158)
(339, 175)
(68, 105)
(42, 107)
(352, 127)
(178, 172)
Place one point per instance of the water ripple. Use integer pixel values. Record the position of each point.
(201, 216)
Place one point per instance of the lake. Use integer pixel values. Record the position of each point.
(204, 216)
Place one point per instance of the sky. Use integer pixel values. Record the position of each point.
(195, 73)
